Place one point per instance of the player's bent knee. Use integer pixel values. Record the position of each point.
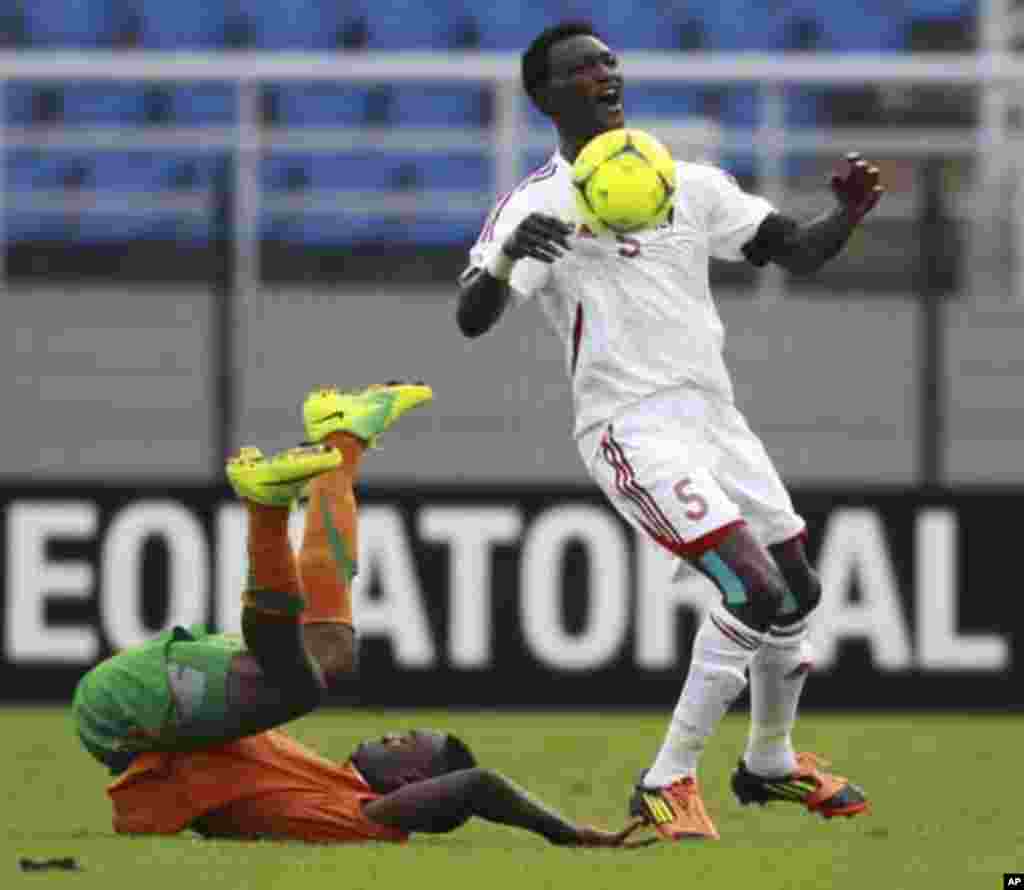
(810, 594)
(804, 596)
(753, 588)
(755, 596)
(333, 648)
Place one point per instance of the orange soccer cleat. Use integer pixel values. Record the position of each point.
(819, 791)
(676, 811)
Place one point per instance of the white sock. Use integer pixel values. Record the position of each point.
(777, 676)
(722, 650)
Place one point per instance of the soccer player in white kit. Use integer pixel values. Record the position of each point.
(656, 422)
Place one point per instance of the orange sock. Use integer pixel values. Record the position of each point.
(327, 560)
(273, 584)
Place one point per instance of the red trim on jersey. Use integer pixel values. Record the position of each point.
(692, 550)
(541, 173)
(577, 336)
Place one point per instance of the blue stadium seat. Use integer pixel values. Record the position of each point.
(31, 169)
(85, 103)
(383, 172)
(26, 171)
(651, 98)
(511, 26)
(458, 172)
(181, 24)
(196, 104)
(320, 104)
(867, 27)
(293, 24)
(941, 9)
(363, 171)
(440, 105)
(68, 23)
(410, 24)
(19, 98)
(89, 104)
(181, 170)
(629, 26)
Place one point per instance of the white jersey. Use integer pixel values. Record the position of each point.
(636, 314)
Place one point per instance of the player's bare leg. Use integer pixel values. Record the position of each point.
(771, 769)
(668, 794)
(277, 679)
(350, 422)
(327, 559)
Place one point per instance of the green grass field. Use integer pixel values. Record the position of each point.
(944, 789)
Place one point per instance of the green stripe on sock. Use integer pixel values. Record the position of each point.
(346, 565)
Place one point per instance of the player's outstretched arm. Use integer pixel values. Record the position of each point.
(444, 803)
(804, 248)
(484, 293)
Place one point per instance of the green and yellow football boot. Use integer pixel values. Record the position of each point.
(277, 480)
(364, 413)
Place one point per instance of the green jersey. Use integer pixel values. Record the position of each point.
(125, 704)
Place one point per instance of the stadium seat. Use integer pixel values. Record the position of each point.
(14, 30)
(511, 26)
(196, 104)
(320, 104)
(457, 172)
(86, 103)
(941, 9)
(441, 105)
(19, 97)
(867, 27)
(373, 172)
(181, 24)
(293, 24)
(103, 103)
(638, 26)
(68, 23)
(357, 171)
(410, 24)
(650, 98)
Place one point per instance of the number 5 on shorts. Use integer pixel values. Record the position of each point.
(696, 506)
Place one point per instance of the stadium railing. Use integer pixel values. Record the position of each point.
(995, 74)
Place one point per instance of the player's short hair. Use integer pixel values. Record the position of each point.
(457, 754)
(535, 61)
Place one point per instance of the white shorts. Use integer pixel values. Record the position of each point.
(685, 467)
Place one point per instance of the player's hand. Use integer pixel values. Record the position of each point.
(538, 236)
(858, 189)
(588, 836)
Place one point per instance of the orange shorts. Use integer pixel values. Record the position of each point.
(267, 785)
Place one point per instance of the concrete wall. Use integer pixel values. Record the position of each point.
(117, 384)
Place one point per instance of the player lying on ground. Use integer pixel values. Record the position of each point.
(656, 422)
(187, 721)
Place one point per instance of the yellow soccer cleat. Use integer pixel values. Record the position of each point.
(363, 413)
(276, 481)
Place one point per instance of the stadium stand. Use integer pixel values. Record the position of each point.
(392, 25)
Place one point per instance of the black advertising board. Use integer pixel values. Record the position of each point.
(541, 597)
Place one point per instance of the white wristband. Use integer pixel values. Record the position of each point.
(500, 266)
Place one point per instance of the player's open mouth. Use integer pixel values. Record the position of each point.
(611, 99)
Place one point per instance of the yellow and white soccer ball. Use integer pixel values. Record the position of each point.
(624, 180)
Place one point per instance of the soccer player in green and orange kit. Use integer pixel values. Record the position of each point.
(188, 723)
